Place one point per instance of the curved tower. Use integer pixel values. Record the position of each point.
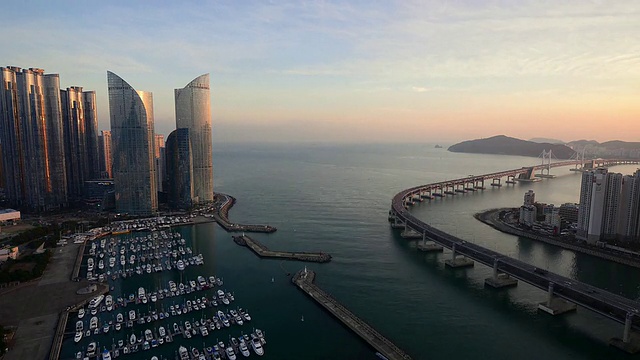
(193, 112)
(132, 137)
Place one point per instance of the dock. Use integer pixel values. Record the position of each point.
(263, 252)
(304, 280)
(221, 216)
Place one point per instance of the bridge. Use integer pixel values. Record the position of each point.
(563, 293)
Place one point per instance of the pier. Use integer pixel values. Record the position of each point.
(304, 280)
(221, 216)
(263, 252)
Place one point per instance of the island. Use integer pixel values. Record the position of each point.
(504, 145)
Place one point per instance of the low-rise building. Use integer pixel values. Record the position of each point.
(9, 215)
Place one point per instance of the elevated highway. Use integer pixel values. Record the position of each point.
(607, 304)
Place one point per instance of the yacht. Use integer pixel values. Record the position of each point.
(112, 261)
(91, 349)
(106, 355)
(180, 265)
(141, 293)
(81, 313)
(79, 325)
(95, 302)
(230, 354)
(132, 315)
(256, 345)
(244, 350)
(261, 336)
(132, 339)
(204, 331)
(148, 335)
(201, 281)
(183, 353)
(93, 323)
(78, 336)
(154, 298)
(119, 318)
(109, 302)
(162, 332)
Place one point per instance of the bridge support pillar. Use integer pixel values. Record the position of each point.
(458, 262)
(555, 305)
(410, 233)
(428, 246)
(496, 182)
(499, 280)
(630, 341)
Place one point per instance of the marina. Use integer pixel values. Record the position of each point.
(118, 322)
(263, 252)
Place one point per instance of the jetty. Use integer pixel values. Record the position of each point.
(303, 279)
(263, 252)
(223, 203)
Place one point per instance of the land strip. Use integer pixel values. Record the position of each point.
(263, 252)
(224, 202)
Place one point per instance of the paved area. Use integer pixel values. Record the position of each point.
(34, 307)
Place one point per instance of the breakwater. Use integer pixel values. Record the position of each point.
(223, 203)
(264, 252)
(303, 279)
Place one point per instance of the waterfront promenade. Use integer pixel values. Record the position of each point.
(491, 218)
(264, 252)
(303, 279)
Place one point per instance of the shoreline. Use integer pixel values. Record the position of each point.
(490, 217)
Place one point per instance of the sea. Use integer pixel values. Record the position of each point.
(335, 198)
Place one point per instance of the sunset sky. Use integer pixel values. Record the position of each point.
(357, 71)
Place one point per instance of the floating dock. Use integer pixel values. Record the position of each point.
(304, 280)
(263, 252)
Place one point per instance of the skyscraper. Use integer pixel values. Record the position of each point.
(159, 143)
(132, 147)
(179, 163)
(193, 112)
(32, 139)
(611, 206)
(159, 161)
(80, 123)
(629, 208)
(106, 158)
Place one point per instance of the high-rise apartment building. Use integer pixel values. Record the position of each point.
(611, 205)
(193, 112)
(80, 123)
(628, 222)
(160, 161)
(106, 159)
(159, 143)
(132, 147)
(31, 134)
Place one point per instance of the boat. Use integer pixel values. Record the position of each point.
(109, 302)
(148, 335)
(95, 302)
(141, 293)
(162, 332)
(119, 318)
(106, 355)
(261, 336)
(183, 353)
(93, 323)
(132, 314)
(79, 325)
(231, 355)
(201, 281)
(180, 265)
(105, 328)
(204, 331)
(81, 313)
(244, 350)
(256, 345)
(132, 339)
(78, 336)
(91, 349)
(146, 346)
(195, 352)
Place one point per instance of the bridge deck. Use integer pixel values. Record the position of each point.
(304, 280)
(610, 305)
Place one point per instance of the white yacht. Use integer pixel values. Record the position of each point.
(95, 302)
(148, 335)
(244, 350)
(231, 355)
(257, 346)
(180, 265)
(141, 293)
(184, 353)
(162, 332)
(261, 336)
(109, 302)
(93, 323)
(132, 315)
(78, 336)
(79, 325)
(81, 313)
(202, 281)
(132, 339)
(119, 318)
(91, 349)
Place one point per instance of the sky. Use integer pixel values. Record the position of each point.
(353, 71)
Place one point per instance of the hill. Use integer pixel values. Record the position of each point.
(546, 140)
(504, 145)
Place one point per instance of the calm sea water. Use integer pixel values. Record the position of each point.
(336, 199)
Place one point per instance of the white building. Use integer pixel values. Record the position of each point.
(529, 198)
(528, 215)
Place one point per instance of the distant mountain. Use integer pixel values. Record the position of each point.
(504, 145)
(607, 149)
(546, 140)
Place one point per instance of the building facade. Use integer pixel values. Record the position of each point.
(179, 165)
(132, 147)
(104, 144)
(31, 134)
(80, 123)
(193, 112)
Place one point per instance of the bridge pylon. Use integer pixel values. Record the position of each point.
(555, 305)
(630, 341)
(499, 280)
(458, 261)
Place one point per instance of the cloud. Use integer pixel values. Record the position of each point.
(419, 89)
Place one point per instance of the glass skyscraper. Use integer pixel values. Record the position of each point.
(193, 112)
(80, 122)
(31, 134)
(132, 146)
(179, 163)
